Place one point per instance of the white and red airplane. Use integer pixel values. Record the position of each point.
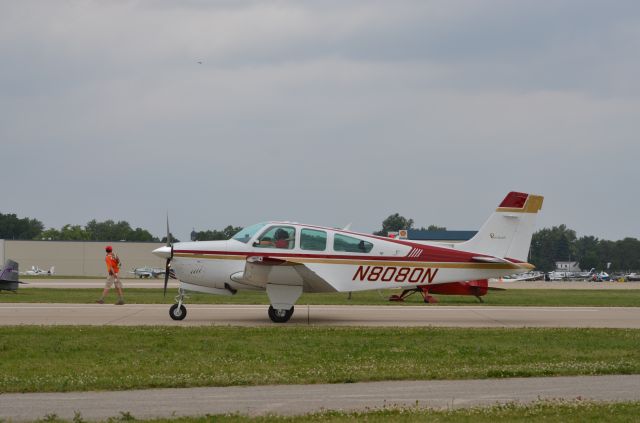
(286, 259)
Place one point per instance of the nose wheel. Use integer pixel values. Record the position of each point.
(178, 311)
(280, 315)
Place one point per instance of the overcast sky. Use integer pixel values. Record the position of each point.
(323, 112)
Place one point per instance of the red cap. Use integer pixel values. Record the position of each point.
(108, 249)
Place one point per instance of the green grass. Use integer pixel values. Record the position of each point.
(35, 359)
(514, 297)
(540, 411)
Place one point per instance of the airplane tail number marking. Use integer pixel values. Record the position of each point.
(395, 274)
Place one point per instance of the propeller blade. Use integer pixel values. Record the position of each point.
(168, 233)
(167, 267)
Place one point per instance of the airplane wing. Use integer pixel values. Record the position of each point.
(260, 271)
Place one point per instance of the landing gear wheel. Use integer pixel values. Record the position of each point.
(280, 315)
(178, 312)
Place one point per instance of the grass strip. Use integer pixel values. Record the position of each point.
(540, 411)
(515, 297)
(38, 359)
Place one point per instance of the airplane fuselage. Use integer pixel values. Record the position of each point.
(382, 263)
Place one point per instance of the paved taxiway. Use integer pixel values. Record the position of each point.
(299, 399)
(256, 315)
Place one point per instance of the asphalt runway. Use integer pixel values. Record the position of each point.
(301, 399)
(320, 315)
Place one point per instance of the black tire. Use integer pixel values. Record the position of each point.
(280, 315)
(178, 314)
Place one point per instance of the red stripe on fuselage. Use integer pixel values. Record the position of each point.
(424, 256)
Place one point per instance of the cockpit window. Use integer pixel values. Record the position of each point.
(311, 239)
(277, 237)
(350, 244)
(247, 233)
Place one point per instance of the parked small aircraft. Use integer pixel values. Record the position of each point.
(147, 272)
(286, 259)
(9, 276)
(36, 271)
(632, 277)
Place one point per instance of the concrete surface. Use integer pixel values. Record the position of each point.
(299, 399)
(256, 315)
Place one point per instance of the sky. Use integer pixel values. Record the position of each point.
(323, 112)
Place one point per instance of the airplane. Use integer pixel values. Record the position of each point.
(586, 275)
(147, 272)
(36, 271)
(286, 259)
(632, 277)
(9, 276)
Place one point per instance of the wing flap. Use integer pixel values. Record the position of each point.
(263, 270)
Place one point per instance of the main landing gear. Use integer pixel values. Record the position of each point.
(282, 298)
(280, 315)
(178, 311)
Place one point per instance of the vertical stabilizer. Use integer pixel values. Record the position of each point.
(9, 276)
(508, 231)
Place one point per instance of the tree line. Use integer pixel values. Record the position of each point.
(548, 245)
(12, 227)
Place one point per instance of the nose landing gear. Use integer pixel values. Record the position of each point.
(178, 311)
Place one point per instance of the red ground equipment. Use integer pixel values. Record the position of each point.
(477, 288)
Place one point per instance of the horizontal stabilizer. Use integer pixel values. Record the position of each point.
(485, 259)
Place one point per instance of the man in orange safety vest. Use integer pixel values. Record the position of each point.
(113, 268)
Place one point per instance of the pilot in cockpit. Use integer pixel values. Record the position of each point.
(281, 239)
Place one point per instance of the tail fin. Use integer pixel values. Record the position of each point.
(508, 231)
(9, 276)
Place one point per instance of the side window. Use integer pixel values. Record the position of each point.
(277, 237)
(313, 240)
(350, 244)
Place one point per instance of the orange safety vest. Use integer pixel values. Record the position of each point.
(113, 263)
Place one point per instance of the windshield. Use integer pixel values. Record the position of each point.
(247, 233)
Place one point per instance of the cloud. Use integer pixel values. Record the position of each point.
(326, 112)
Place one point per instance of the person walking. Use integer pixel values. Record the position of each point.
(113, 267)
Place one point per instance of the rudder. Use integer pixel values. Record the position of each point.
(508, 231)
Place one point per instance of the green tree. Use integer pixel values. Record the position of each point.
(551, 245)
(51, 234)
(116, 231)
(173, 239)
(12, 227)
(214, 235)
(73, 233)
(586, 250)
(394, 223)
